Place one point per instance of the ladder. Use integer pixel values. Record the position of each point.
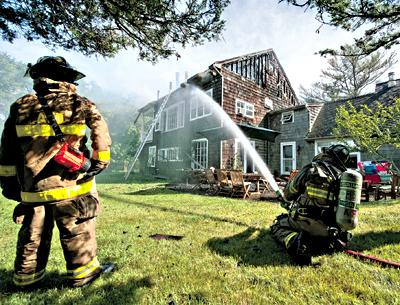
(149, 132)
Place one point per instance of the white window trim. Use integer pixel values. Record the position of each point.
(209, 92)
(294, 161)
(237, 100)
(155, 156)
(176, 105)
(287, 113)
(327, 143)
(164, 152)
(357, 154)
(201, 140)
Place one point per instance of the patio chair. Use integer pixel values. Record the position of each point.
(392, 189)
(239, 186)
(225, 185)
(212, 182)
(198, 179)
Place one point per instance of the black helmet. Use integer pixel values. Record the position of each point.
(55, 68)
(338, 151)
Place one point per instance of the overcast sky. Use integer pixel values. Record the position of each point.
(251, 26)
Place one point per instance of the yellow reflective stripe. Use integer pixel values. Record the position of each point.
(289, 237)
(85, 270)
(60, 193)
(317, 195)
(102, 155)
(8, 170)
(45, 130)
(27, 279)
(317, 191)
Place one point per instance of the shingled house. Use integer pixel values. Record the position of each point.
(306, 129)
(188, 135)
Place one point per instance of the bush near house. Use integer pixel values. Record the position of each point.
(226, 255)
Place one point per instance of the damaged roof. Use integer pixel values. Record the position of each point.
(326, 119)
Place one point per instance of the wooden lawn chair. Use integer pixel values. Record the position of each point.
(239, 186)
(198, 178)
(225, 185)
(212, 182)
(392, 189)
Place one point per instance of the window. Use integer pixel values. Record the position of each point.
(152, 156)
(244, 108)
(200, 108)
(174, 117)
(355, 156)
(199, 154)
(288, 157)
(169, 154)
(287, 117)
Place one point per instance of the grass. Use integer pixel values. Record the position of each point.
(226, 255)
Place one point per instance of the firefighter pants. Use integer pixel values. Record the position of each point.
(286, 230)
(75, 220)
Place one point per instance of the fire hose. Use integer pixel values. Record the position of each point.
(380, 261)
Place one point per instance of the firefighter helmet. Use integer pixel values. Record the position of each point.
(55, 68)
(338, 151)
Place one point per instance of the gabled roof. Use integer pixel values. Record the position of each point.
(326, 120)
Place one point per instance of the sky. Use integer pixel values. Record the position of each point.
(251, 26)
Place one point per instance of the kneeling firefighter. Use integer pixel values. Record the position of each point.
(322, 203)
(45, 165)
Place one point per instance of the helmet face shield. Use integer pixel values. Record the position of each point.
(55, 68)
(339, 151)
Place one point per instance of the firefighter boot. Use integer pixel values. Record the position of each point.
(298, 250)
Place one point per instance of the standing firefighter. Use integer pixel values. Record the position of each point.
(318, 196)
(45, 165)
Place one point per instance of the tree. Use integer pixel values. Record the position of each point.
(348, 76)
(154, 27)
(12, 83)
(380, 17)
(370, 128)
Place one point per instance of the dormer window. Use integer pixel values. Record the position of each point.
(287, 117)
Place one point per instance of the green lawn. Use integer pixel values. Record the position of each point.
(226, 255)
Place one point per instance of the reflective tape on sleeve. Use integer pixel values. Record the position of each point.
(8, 170)
(45, 130)
(102, 155)
(59, 193)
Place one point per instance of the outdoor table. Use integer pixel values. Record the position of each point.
(256, 179)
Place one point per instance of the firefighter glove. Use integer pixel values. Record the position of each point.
(11, 188)
(96, 168)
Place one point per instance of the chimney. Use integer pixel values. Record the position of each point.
(392, 81)
(186, 76)
(170, 86)
(158, 95)
(177, 79)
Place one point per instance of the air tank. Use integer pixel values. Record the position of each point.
(349, 199)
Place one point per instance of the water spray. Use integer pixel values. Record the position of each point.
(230, 125)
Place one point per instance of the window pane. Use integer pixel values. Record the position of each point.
(287, 151)
(287, 165)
